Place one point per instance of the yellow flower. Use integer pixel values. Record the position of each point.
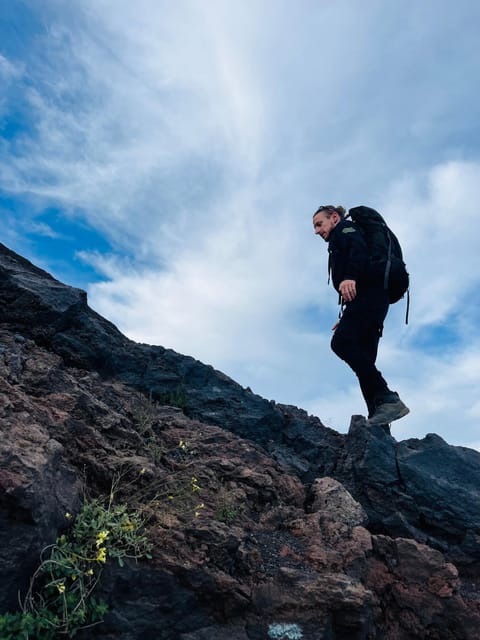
(74, 577)
(68, 516)
(89, 572)
(61, 587)
(101, 537)
(101, 555)
(197, 509)
(182, 445)
(142, 471)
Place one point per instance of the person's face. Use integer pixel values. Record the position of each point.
(323, 226)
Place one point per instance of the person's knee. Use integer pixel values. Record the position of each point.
(339, 345)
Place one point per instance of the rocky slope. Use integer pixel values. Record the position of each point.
(303, 532)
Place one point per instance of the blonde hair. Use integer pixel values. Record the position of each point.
(328, 209)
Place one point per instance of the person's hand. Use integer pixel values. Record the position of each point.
(348, 289)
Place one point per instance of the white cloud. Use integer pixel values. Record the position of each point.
(435, 216)
(9, 69)
(44, 229)
(224, 300)
(145, 106)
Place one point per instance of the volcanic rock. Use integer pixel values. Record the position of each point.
(302, 532)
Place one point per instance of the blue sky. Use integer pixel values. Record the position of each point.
(167, 157)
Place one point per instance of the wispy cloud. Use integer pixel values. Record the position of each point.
(9, 69)
(434, 213)
(43, 229)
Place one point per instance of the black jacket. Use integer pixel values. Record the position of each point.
(348, 257)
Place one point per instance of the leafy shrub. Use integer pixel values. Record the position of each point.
(60, 598)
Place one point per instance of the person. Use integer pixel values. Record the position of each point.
(364, 306)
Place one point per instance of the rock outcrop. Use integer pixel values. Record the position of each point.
(303, 532)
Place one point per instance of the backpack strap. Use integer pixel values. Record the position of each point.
(389, 260)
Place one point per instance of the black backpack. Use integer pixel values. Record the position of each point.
(385, 252)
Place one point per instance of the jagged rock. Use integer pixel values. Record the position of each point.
(407, 574)
(299, 527)
(37, 484)
(425, 489)
(328, 495)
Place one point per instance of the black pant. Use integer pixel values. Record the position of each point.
(356, 342)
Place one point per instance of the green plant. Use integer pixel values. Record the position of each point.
(175, 398)
(228, 506)
(60, 598)
(180, 496)
(154, 449)
(227, 513)
(173, 492)
(145, 414)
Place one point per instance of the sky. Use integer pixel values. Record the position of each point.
(167, 157)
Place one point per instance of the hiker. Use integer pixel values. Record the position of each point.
(364, 303)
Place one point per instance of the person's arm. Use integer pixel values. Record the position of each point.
(355, 251)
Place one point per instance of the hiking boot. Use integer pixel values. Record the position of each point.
(387, 412)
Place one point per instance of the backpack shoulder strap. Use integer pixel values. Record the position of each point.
(388, 265)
